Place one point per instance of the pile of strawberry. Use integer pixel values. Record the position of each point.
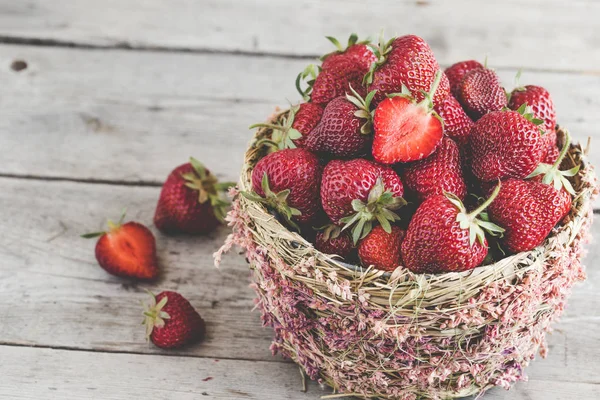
(398, 163)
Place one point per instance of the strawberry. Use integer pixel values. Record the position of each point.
(288, 182)
(171, 321)
(331, 240)
(538, 99)
(405, 61)
(551, 155)
(344, 130)
(339, 72)
(358, 192)
(456, 73)
(406, 130)
(444, 237)
(505, 144)
(126, 250)
(480, 92)
(381, 249)
(457, 123)
(440, 172)
(191, 201)
(291, 131)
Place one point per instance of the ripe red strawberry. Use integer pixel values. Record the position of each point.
(288, 182)
(331, 240)
(456, 73)
(344, 129)
(440, 172)
(480, 92)
(171, 321)
(409, 61)
(551, 155)
(457, 123)
(126, 250)
(359, 192)
(291, 131)
(339, 72)
(191, 201)
(406, 130)
(540, 102)
(382, 249)
(505, 144)
(444, 237)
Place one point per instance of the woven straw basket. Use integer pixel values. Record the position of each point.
(373, 334)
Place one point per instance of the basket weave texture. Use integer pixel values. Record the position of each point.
(403, 335)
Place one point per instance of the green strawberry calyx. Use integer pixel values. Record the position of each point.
(553, 175)
(518, 87)
(307, 76)
(427, 102)
(208, 187)
(283, 135)
(330, 231)
(352, 40)
(527, 113)
(476, 221)
(112, 227)
(380, 207)
(381, 50)
(154, 316)
(274, 201)
(363, 109)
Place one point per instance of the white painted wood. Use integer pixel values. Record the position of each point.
(53, 294)
(133, 116)
(537, 34)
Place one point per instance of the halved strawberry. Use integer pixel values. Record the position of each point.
(406, 130)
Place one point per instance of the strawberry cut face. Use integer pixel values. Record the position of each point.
(404, 131)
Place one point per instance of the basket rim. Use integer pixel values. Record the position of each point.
(584, 195)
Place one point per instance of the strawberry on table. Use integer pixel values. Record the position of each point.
(405, 61)
(171, 321)
(358, 192)
(480, 92)
(191, 201)
(439, 173)
(505, 144)
(127, 250)
(444, 237)
(406, 130)
(345, 127)
(382, 249)
(288, 182)
(456, 72)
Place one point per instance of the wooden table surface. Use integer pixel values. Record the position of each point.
(116, 93)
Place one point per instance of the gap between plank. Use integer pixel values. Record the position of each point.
(139, 353)
(11, 40)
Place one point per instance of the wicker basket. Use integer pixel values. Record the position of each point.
(402, 335)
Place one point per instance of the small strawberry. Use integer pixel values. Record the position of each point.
(406, 130)
(381, 249)
(405, 61)
(191, 201)
(291, 131)
(126, 250)
(358, 192)
(345, 127)
(331, 240)
(444, 237)
(456, 73)
(171, 321)
(288, 182)
(505, 144)
(551, 155)
(480, 92)
(339, 71)
(538, 99)
(439, 173)
(528, 210)
(457, 123)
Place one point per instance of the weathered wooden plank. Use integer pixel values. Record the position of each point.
(133, 116)
(33, 373)
(549, 35)
(54, 295)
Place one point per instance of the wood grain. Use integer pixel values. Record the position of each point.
(132, 116)
(53, 294)
(545, 35)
